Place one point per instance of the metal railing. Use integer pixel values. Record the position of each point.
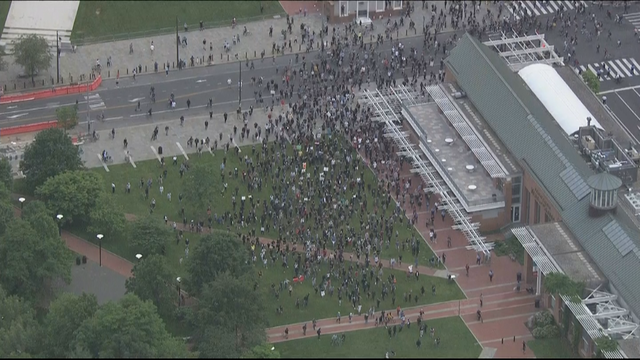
(80, 39)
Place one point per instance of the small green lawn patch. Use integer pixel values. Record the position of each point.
(117, 20)
(550, 349)
(456, 342)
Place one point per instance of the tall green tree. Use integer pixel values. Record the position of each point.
(40, 218)
(73, 194)
(50, 154)
(18, 327)
(32, 52)
(3, 62)
(262, 351)
(107, 217)
(29, 259)
(149, 235)
(6, 173)
(6, 209)
(67, 117)
(229, 303)
(130, 328)
(200, 189)
(215, 254)
(66, 314)
(153, 280)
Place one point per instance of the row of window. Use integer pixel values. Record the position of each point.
(364, 5)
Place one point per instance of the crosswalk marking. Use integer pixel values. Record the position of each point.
(634, 19)
(537, 8)
(95, 102)
(618, 67)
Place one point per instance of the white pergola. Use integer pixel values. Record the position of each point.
(387, 109)
(522, 51)
(608, 319)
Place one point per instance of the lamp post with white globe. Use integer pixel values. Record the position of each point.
(100, 236)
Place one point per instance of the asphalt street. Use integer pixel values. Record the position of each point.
(118, 102)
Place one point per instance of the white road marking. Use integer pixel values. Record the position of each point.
(136, 100)
(156, 154)
(629, 107)
(130, 159)
(211, 152)
(201, 81)
(182, 150)
(17, 115)
(12, 107)
(233, 141)
(103, 163)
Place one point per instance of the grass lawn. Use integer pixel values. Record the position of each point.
(135, 202)
(510, 245)
(4, 11)
(456, 342)
(328, 306)
(130, 19)
(550, 348)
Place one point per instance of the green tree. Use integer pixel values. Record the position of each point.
(73, 194)
(40, 218)
(216, 253)
(29, 259)
(67, 117)
(605, 344)
(130, 328)
(591, 80)
(262, 351)
(149, 235)
(6, 209)
(217, 342)
(3, 62)
(200, 189)
(50, 154)
(6, 173)
(18, 327)
(32, 53)
(559, 283)
(66, 314)
(153, 280)
(230, 303)
(106, 217)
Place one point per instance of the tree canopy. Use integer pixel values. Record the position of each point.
(129, 328)
(67, 116)
(216, 253)
(106, 217)
(73, 194)
(28, 258)
(66, 315)
(152, 280)
(32, 52)
(229, 304)
(6, 173)
(149, 235)
(50, 154)
(199, 187)
(18, 327)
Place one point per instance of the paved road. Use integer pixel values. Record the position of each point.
(622, 103)
(118, 103)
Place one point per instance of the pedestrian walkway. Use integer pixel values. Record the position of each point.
(634, 19)
(610, 69)
(43, 18)
(544, 7)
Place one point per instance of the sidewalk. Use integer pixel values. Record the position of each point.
(81, 62)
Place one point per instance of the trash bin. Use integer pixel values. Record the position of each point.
(159, 150)
(537, 303)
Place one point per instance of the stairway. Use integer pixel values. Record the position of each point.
(13, 33)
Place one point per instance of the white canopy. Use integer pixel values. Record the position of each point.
(557, 97)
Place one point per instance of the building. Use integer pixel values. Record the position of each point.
(568, 221)
(338, 12)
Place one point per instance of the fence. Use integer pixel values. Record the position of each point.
(80, 39)
(10, 87)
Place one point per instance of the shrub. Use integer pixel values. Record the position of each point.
(591, 80)
(546, 332)
(542, 319)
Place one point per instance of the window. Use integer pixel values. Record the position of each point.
(527, 205)
(397, 5)
(553, 302)
(536, 212)
(344, 8)
(380, 5)
(515, 213)
(547, 217)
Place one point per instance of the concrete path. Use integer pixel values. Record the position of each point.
(41, 18)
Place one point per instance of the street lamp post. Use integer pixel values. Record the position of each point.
(179, 280)
(177, 45)
(59, 216)
(138, 256)
(57, 57)
(100, 236)
(22, 200)
(240, 85)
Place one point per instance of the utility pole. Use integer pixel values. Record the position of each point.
(88, 109)
(177, 45)
(240, 85)
(57, 57)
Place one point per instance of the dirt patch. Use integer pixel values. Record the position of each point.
(130, 217)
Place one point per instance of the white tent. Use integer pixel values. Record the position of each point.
(557, 97)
